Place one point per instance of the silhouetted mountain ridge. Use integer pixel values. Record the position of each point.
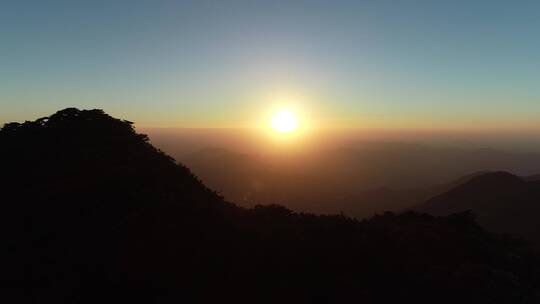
(532, 178)
(92, 211)
(492, 179)
(503, 202)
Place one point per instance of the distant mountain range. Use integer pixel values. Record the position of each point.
(532, 178)
(360, 180)
(503, 202)
(369, 202)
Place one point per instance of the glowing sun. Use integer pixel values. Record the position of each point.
(284, 121)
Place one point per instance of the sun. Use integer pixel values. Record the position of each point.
(284, 121)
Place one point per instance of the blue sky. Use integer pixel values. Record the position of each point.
(389, 64)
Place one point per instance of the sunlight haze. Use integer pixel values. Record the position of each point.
(360, 64)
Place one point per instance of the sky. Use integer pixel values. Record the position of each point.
(345, 64)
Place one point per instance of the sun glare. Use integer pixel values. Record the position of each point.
(284, 121)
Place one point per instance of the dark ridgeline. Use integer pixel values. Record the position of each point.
(91, 212)
(504, 203)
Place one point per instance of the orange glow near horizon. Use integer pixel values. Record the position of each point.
(286, 125)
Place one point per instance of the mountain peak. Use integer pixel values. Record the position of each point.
(93, 151)
(493, 180)
(503, 202)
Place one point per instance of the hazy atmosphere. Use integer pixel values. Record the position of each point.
(270, 151)
(462, 65)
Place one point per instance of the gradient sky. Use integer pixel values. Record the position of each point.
(395, 64)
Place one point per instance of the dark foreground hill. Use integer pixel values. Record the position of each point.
(91, 212)
(503, 202)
